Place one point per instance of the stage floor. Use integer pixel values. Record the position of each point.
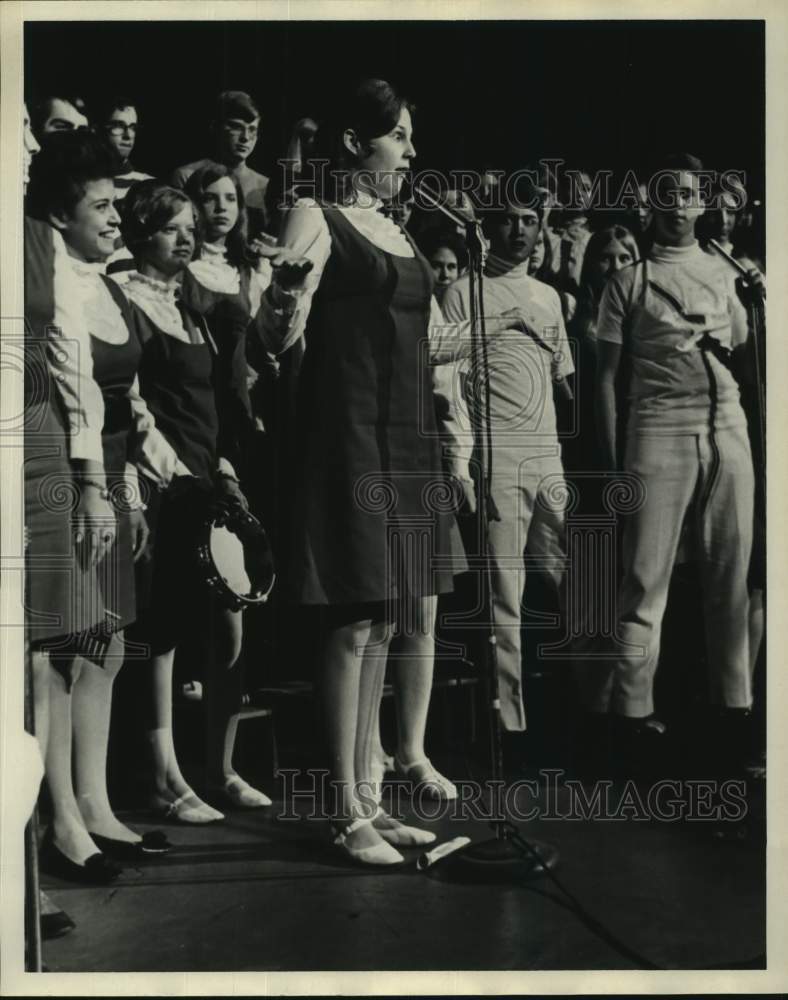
(257, 893)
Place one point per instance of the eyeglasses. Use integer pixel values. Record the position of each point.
(237, 129)
(120, 128)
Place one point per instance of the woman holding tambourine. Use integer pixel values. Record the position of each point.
(191, 383)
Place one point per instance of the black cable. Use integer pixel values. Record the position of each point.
(575, 906)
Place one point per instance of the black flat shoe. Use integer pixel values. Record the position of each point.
(97, 869)
(55, 925)
(54, 921)
(152, 844)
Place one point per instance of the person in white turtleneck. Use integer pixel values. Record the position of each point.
(527, 478)
(679, 318)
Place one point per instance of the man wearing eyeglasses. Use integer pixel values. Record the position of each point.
(235, 131)
(119, 122)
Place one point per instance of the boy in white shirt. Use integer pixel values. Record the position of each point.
(678, 317)
(527, 475)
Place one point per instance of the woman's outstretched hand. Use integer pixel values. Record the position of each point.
(289, 269)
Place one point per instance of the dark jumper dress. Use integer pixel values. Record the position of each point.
(114, 369)
(192, 394)
(371, 521)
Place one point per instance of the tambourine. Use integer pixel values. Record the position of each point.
(235, 557)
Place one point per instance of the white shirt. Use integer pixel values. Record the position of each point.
(71, 361)
(661, 310)
(522, 365)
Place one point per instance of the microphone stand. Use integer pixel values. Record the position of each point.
(507, 856)
(757, 318)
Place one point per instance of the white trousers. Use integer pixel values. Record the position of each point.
(530, 497)
(710, 479)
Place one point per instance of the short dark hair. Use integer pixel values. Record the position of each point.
(115, 102)
(526, 194)
(433, 239)
(677, 161)
(235, 104)
(60, 172)
(196, 186)
(147, 207)
(41, 107)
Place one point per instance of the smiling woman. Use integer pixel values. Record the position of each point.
(71, 189)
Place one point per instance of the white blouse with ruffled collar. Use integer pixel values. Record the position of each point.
(158, 300)
(103, 318)
(213, 270)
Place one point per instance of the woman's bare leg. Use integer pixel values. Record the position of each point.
(170, 785)
(68, 828)
(222, 703)
(413, 665)
(91, 710)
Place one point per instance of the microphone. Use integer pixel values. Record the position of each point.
(427, 860)
(435, 202)
(731, 260)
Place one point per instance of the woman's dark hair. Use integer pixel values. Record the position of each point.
(61, 171)
(371, 109)
(147, 208)
(237, 238)
(434, 239)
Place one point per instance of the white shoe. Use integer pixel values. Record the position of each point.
(189, 808)
(373, 854)
(425, 776)
(394, 832)
(240, 793)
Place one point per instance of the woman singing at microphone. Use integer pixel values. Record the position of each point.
(371, 540)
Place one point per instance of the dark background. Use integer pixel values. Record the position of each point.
(600, 94)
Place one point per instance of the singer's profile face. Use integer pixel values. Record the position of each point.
(513, 233)
(384, 169)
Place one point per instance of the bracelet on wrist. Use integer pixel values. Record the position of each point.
(101, 487)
